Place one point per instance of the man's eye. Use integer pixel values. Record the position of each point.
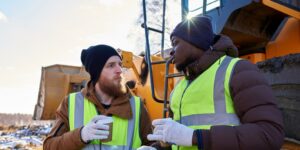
(111, 65)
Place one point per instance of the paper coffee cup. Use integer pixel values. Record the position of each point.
(108, 121)
(163, 144)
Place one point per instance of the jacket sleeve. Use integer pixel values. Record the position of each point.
(261, 120)
(60, 138)
(145, 125)
(146, 128)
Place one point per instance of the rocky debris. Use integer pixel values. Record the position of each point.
(23, 137)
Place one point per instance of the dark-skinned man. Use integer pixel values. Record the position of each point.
(223, 102)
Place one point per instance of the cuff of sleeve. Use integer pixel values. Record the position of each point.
(199, 139)
(206, 139)
(74, 139)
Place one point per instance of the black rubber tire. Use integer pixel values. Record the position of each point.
(283, 74)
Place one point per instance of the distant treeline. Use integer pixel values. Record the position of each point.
(15, 119)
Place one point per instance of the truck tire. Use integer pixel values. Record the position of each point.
(283, 74)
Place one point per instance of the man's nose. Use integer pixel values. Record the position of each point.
(119, 69)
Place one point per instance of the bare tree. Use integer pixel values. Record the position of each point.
(154, 17)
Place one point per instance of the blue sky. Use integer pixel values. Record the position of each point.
(39, 33)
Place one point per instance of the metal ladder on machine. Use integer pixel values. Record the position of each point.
(150, 63)
(167, 62)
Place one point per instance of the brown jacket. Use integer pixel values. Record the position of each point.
(61, 138)
(261, 121)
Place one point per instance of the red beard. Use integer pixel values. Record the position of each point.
(111, 88)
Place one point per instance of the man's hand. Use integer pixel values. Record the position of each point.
(170, 131)
(95, 129)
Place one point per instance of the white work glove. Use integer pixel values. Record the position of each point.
(95, 129)
(170, 131)
(146, 148)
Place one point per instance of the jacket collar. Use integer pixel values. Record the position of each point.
(199, 66)
(120, 106)
(223, 45)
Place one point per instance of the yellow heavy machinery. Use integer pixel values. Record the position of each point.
(56, 82)
(267, 32)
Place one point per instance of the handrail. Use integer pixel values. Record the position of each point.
(163, 30)
(166, 87)
(152, 29)
(147, 56)
(204, 7)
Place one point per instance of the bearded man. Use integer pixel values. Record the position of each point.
(81, 117)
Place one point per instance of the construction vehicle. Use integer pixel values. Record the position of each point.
(56, 82)
(267, 32)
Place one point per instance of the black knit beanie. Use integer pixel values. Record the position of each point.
(197, 31)
(94, 59)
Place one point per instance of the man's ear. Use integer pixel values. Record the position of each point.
(144, 71)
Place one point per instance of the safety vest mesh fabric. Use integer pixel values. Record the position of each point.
(125, 135)
(206, 101)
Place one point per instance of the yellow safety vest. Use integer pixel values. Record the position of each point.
(206, 101)
(125, 135)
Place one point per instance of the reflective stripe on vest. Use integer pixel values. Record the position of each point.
(207, 100)
(125, 132)
(107, 147)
